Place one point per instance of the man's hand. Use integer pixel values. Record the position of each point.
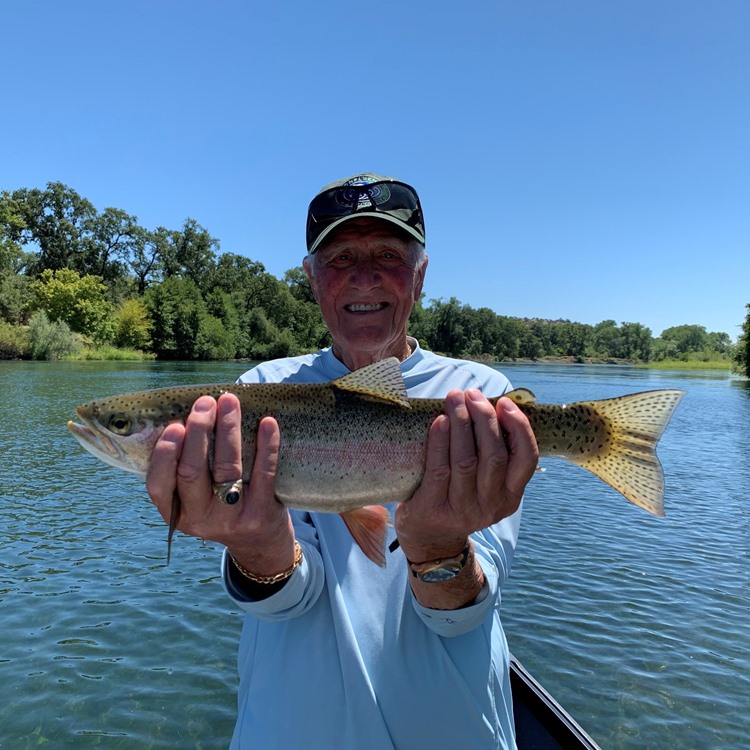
(257, 530)
(479, 460)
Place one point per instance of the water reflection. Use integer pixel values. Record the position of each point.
(639, 625)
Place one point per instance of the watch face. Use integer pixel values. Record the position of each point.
(440, 574)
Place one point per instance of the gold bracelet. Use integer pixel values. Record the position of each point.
(267, 580)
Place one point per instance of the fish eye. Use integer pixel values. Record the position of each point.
(119, 424)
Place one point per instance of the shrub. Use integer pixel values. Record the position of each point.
(51, 340)
(14, 341)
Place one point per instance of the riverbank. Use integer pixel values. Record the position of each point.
(723, 365)
(107, 352)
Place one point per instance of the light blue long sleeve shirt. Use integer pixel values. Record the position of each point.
(344, 656)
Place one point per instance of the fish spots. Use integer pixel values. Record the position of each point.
(351, 443)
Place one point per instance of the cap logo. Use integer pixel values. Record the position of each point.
(348, 196)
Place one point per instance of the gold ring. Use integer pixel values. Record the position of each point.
(228, 492)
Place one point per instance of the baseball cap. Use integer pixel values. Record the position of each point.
(364, 195)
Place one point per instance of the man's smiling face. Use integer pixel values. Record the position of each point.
(366, 279)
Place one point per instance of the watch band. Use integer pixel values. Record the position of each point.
(437, 571)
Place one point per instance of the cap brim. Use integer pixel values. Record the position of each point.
(370, 215)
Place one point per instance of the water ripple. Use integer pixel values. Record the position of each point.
(639, 626)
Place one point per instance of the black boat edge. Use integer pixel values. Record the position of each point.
(541, 722)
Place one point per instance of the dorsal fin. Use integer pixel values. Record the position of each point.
(521, 396)
(381, 381)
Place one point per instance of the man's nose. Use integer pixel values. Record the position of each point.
(365, 275)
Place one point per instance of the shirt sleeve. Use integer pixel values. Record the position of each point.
(301, 590)
(494, 548)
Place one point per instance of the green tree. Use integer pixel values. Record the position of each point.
(213, 341)
(189, 253)
(15, 297)
(720, 342)
(510, 339)
(79, 301)
(571, 339)
(449, 330)
(299, 285)
(12, 226)
(606, 340)
(742, 350)
(236, 274)
(145, 259)
(635, 342)
(481, 330)
(221, 306)
(59, 222)
(115, 239)
(15, 293)
(686, 338)
(420, 323)
(132, 324)
(286, 305)
(266, 340)
(176, 309)
(531, 346)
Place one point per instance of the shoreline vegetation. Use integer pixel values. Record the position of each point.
(725, 365)
(112, 353)
(76, 283)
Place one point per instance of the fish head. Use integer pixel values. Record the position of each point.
(122, 431)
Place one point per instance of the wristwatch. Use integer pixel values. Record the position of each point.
(438, 571)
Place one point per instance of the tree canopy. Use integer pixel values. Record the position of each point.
(102, 277)
(742, 352)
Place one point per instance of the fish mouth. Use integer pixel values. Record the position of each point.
(94, 441)
(130, 453)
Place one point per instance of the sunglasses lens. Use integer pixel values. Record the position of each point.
(393, 198)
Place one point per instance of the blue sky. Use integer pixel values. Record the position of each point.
(579, 159)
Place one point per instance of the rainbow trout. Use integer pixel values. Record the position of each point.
(358, 442)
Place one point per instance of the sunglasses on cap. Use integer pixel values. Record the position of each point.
(394, 201)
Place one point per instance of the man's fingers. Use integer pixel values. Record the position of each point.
(491, 449)
(463, 449)
(227, 465)
(199, 427)
(433, 490)
(522, 447)
(162, 473)
(437, 461)
(263, 479)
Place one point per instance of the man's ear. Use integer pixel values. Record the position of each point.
(420, 280)
(311, 278)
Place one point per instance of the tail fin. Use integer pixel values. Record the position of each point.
(630, 465)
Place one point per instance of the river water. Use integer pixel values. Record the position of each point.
(639, 626)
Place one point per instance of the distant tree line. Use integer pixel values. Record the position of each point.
(742, 350)
(464, 331)
(73, 278)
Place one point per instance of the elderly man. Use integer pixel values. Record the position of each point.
(335, 651)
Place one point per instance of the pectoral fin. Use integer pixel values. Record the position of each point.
(369, 526)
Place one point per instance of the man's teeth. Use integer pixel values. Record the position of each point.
(365, 308)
